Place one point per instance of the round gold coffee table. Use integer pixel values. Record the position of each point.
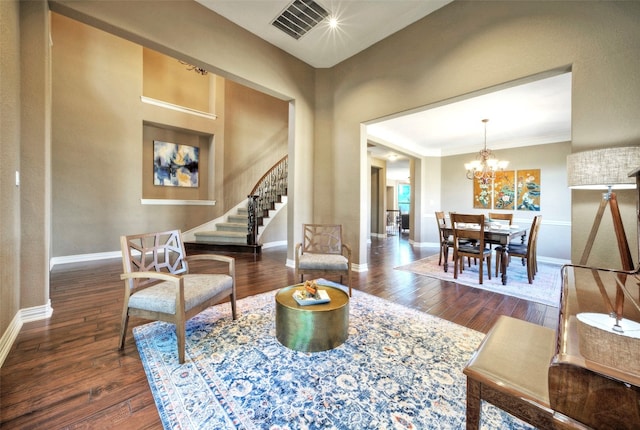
(312, 328)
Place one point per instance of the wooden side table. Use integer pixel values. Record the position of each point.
(312, 328)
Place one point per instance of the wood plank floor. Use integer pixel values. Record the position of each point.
(67, 372)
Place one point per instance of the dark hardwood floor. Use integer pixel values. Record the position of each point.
(67, 372)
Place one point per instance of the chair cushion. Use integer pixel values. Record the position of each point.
(323, 261)
(514, 248)
(198, 288)
(471, 249)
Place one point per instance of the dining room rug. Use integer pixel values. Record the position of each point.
(545, 288)
(399, 369)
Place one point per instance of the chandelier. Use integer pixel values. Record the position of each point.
(484, 168)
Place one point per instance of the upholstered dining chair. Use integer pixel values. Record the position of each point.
(158, 285)
(322, 252)
(527, 252)
(468, 241)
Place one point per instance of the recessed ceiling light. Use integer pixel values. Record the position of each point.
(333, 22)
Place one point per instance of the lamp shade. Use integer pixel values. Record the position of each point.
(603, 168)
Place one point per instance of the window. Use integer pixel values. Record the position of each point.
(404, 198)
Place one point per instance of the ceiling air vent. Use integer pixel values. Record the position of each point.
(300, 17)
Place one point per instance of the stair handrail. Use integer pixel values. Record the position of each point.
(271, 186)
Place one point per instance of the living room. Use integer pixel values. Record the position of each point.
(479, 45)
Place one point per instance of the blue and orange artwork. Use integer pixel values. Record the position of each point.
(175, 165)
(529, 190)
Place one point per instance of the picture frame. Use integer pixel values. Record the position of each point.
(175, 165)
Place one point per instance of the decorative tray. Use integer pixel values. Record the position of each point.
(303, 300)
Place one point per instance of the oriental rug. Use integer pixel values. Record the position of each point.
(399, 369)
(545, 288)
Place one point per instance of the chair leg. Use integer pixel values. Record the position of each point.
(498, 261)
(234, 315)
(180, 333)
(455, 266)
(123, 327)
(530, 273)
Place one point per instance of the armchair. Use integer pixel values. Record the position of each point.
(158, 285)
(322, 252)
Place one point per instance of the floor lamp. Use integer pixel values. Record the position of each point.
(606, 169)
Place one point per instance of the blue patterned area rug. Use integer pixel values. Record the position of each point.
(545, 288)
(399, 369)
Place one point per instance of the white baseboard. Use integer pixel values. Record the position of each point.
(22, 316)
(79, 258)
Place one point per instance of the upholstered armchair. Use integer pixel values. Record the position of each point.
(158, 285)
(322, 252)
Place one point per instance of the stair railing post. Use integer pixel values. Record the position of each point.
(252, 226)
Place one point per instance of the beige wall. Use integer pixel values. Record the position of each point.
(467, 47)
(9, 162)
(103, 140)
(254, 123)
(555, 197)
(230, 52)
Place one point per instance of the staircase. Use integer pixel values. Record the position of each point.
(240, 231)
(229, 236)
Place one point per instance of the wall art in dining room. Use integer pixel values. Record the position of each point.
(175, 165)
(482, 194)
(528, 190)
(504, 190)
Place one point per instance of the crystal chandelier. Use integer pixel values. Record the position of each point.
(484, 168)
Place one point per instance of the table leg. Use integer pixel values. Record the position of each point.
(446, 259)
(504, 255)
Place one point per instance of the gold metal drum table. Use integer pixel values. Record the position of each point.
(312, 328)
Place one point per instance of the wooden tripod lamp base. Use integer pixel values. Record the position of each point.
(606, 169)
(609, 199)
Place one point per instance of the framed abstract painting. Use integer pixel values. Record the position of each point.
(175, 165)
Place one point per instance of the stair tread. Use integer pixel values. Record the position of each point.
(221, 233)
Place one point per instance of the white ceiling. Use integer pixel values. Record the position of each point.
(535, 112)
(361, 24)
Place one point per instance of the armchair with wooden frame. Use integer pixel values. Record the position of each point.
(158, 285)
(322, 252)
(468, 241)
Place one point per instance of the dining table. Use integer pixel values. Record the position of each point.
(496, 234)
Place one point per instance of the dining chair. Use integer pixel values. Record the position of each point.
(446, 240)
(527, 252)
(468, 241)
(501, 217)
